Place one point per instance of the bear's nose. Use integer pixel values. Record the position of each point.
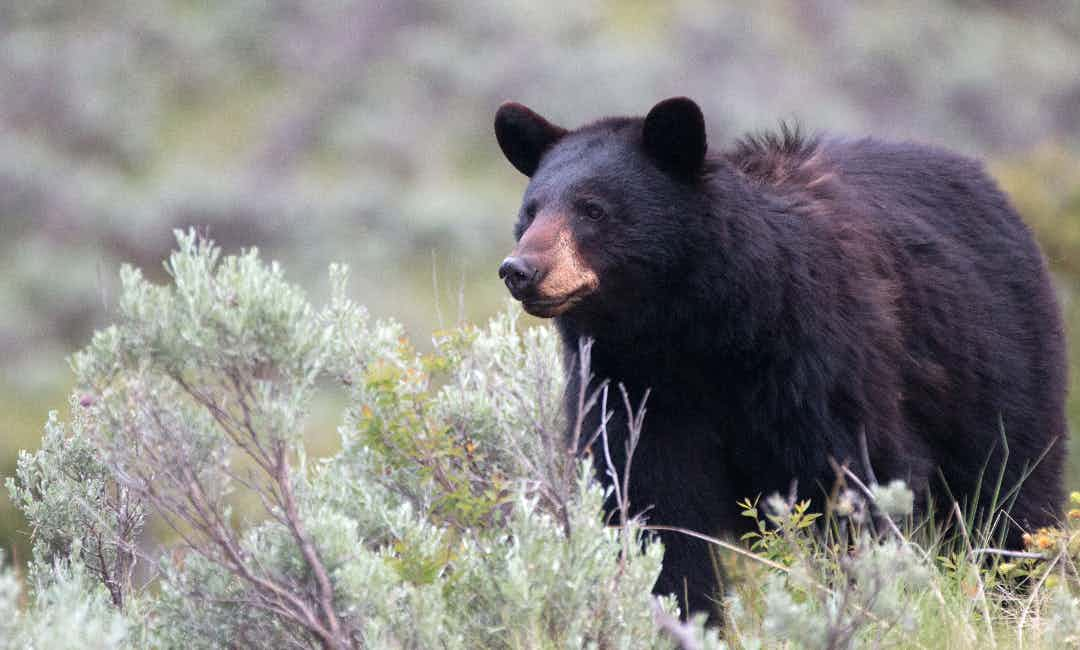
(518, 275)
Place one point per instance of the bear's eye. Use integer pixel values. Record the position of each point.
(593, 211)
(530, 211)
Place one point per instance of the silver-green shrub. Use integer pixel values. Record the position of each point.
(75, 507)
(455, 515)
(69, 609)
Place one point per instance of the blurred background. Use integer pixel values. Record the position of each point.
(360, 132)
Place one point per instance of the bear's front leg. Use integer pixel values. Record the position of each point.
(692, 575)
(678, 480)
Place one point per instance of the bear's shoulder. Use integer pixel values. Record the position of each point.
(786, 157)
(791, 159)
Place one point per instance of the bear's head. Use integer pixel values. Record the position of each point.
(604, 218)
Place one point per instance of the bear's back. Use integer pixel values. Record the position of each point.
(931, 207)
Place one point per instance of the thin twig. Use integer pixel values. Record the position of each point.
(864, 453)
(1027, 555)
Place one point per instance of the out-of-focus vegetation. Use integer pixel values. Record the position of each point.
(360, 132)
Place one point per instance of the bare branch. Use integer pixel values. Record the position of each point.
(307, 547)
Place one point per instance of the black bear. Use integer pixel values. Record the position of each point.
(791, 301)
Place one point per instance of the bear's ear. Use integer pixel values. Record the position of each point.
(524, 136)
(674, 136)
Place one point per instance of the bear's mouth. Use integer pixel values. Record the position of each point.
(551, 307)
